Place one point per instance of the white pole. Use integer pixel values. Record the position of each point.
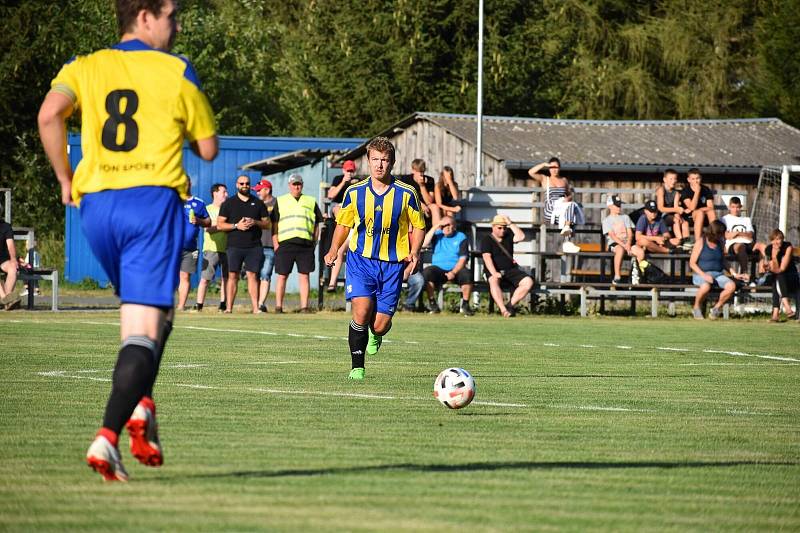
(479, 144)
(784, 212)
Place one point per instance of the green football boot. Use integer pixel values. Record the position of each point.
(374, 343)
(357, 374)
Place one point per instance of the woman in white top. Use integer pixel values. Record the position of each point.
(559, 207)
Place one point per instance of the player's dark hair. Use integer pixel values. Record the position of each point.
(384, 146)
(419, 165)
(218, 186)
(128, 10)
(736, 200)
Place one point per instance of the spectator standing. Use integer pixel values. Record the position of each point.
(449, 263)
(9, 298)
(243, 216)
(196, 217)
(560, 208)
(295, 232)
(669, 205)
(786, 283)
(707, 261)
(389, 230)
(264, 191)
(500, 267)
(697, 201)
(446, 194)
(215, 245)
(738, 234)
(134, 91)
(618, 230)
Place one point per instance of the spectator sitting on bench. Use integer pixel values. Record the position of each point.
(697, 201)
(708, 264)
(739, 234)
(449, 263)
(9, 298)
(618, 230)
(668, 201)
(446, 193)
(560, 209)
(652, 236)
(786, 283)
(497, 251)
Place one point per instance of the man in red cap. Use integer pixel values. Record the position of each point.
(336, 196)
(264, 191)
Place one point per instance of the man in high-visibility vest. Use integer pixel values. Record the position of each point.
(295, 232)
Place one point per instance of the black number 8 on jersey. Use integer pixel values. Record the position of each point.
(117, 117)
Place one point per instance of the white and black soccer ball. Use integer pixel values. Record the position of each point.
(454, 388)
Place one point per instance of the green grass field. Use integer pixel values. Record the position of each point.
(606, 424)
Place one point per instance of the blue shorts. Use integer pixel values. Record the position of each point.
(137, 236)
(269, 262)
(376, 279)
(719, 278)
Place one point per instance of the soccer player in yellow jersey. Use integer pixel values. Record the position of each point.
(137, 104)
(389, 230)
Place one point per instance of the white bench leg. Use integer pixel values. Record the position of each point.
(654, 303)
(55, 290)
(584, 309)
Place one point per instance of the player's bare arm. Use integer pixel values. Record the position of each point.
(339, 236)
(55, 110)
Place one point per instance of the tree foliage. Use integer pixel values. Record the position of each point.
(353, 67)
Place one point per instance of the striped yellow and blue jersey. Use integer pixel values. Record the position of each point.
(137, 105)
(382, 221)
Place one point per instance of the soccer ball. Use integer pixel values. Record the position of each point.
(454, 388)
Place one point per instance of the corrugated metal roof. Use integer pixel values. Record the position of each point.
(748, 143)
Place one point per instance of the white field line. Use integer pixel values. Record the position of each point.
(601, 408)
(548, 344)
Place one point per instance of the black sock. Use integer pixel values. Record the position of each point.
(358, 338)
(133, 373)
(159, 353)
(199, 306)
(464, 303)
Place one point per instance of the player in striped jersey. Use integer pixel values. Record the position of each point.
(389, 230)
(138, 103)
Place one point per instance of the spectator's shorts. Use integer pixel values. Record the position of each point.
(612, 245)
(290, 254)
(149, 223)
(210, 262)
(376, 279)
(269, 261)
(189, 261)
(720, 279)
(511, 277)
(251, 258)
(438, 276)
(669, 221)
(748, 247)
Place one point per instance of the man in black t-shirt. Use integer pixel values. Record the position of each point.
(340, 184)
(424, 185)
(697, 202)
(8, 264)
(500, 268)
(243, 216)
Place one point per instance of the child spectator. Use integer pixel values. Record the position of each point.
(669, 205)
(697, 201)
(652, 236)
(618, 230)
(738, 233)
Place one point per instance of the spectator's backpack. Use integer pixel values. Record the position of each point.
(650, 273)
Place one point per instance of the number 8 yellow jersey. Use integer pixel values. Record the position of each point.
(137, 105)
